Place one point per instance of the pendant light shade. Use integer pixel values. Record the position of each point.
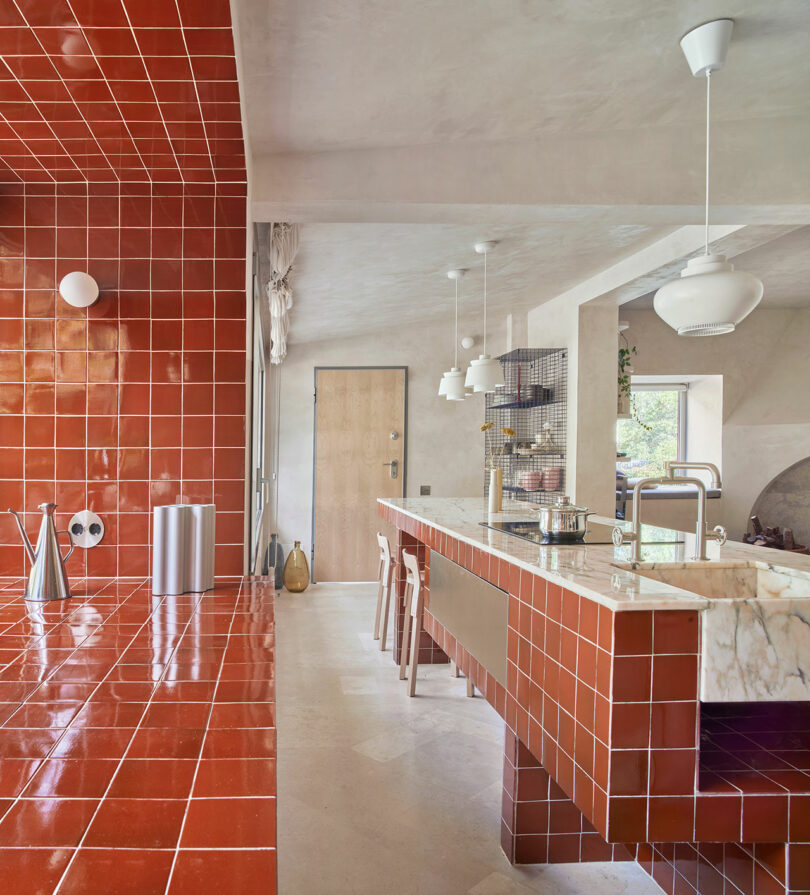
(452, 382)
(484, 374)
(710, 298)
(454, 389)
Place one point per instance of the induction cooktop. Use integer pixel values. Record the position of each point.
(529, 530)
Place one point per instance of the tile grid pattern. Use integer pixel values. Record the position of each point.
(429, 651)
(140, 399)
(540, 824)
(138, 740)
(124, 90)
(636, 778)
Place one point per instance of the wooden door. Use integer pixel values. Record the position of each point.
(356, 412)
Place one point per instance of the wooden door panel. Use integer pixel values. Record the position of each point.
(356, 411)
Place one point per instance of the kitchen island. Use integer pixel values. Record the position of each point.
(611, 753)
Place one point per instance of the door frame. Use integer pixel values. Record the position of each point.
(258, 503)
(315, 439)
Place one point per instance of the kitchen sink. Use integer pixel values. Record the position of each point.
(754, 632)
(718, 580)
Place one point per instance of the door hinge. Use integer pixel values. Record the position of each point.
(315, 396)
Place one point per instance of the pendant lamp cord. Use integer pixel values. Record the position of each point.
(708, 109)
(485, 302)
(455, 365)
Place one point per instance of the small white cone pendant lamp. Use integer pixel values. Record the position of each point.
(710, 298)
(452, 384)
(484, 374)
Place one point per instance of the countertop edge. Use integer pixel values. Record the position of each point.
(685, 600)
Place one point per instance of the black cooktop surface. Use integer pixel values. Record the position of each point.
(597, 533)
(529, 530)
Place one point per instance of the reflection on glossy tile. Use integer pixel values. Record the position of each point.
(100, 750)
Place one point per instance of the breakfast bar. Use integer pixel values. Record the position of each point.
(636, 728)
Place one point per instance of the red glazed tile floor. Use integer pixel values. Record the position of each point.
(138, 741)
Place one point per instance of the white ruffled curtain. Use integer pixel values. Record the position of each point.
(283, 245)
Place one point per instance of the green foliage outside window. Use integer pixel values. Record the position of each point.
(649, 446)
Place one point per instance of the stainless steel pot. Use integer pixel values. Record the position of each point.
(562, 521)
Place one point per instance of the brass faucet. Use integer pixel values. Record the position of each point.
(702, 534)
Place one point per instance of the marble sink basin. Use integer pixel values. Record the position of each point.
(726, 580)
(755, 630)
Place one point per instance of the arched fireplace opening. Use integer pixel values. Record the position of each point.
(784, 506)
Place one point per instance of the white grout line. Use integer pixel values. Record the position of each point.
(149, 170)
(59, 739)
(205, 737)
(135, 730)
(73, 102)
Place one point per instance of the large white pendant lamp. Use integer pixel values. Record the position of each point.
(484, 374)
(452, 384)
(710, 298)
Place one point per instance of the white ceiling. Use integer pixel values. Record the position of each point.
(571, 130)
(352, 278)
(782, 265)
(346, 74)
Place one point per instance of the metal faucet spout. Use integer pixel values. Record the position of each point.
(672, 465)
(26, 542)
(701, 534)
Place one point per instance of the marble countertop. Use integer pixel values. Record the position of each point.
(589, 570)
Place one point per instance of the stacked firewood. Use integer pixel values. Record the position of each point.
(776, 537)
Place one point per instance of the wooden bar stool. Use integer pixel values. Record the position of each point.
(384, 591)
(454, 672)
(412, 626)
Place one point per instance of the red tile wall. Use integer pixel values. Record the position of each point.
(140, 399)
(605, 705)
(539, 822)
(119, 90)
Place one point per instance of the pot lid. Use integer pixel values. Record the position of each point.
(563, 504)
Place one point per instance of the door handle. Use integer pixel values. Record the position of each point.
(394, 464)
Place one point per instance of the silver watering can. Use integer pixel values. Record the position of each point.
(48, 579)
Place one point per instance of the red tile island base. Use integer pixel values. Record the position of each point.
(609, 753)
(137, 741)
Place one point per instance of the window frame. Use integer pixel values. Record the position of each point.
(669, 386)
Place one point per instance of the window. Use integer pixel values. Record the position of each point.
(655, 433)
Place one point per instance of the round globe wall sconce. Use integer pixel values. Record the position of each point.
(79, 289)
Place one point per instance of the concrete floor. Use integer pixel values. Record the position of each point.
(378, 793)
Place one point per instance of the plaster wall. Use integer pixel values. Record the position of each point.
(765, 403)
(444, 448)
(588, 331)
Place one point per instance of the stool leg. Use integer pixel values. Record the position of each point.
(406, 630)
(470, 688)
(379, 601)
(416, 633)
(385, 610)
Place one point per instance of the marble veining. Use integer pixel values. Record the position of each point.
(756, 650)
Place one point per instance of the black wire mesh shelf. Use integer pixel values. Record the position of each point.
(533, 402)
(522, 405)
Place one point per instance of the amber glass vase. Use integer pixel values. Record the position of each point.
(296, 570)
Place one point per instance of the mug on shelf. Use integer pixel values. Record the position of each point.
(530, 481)
(552, 478)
